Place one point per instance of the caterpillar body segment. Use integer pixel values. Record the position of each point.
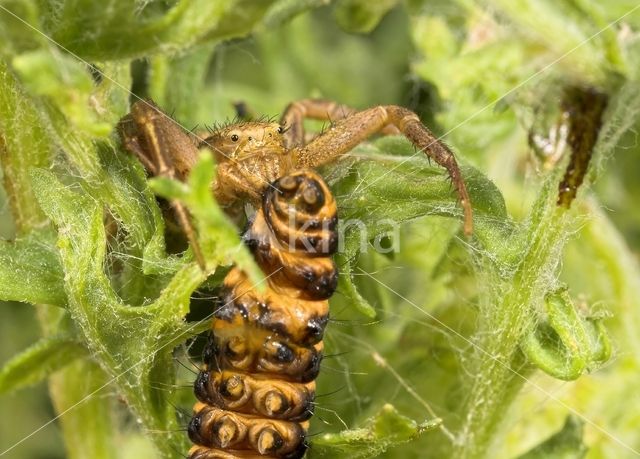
(257, 388)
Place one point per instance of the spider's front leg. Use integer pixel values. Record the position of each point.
(317, 109)
(165, 150)
(357, 127)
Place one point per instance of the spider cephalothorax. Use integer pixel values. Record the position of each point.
(251, 155)
(239, 141)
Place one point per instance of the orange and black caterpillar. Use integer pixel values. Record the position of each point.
(257, 389)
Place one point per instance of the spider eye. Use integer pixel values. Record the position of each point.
(234, 137)
(280, 130)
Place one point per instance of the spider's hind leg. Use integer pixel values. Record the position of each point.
(318, 109)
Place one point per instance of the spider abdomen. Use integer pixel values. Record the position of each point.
(257, 390)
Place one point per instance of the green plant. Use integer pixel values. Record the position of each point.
(461, 326)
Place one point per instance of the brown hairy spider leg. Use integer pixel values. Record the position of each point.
(158, 141)
(318, 109)
(296, 112)
(165, 150)
(347, 133)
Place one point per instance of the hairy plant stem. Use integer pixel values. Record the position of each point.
(506, 315)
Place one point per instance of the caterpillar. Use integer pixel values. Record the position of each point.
(585, 108)
(256, 391)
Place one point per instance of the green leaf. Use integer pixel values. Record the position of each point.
(66, 81)
(386, 429)
(30, 271)
(168, 188)
(567, 443)
(564, 344)
(15, 35)
(126, 30)
(383, 185)
(39, 361)
(217, 236)
(178, 84)
(564, 30)
(90, 422)
(132, 344)
(24, 143)
(347, 288)
(391, 184)
(283, 11)
(117, 182)
(361, 16)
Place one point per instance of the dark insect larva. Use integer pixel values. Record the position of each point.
(585, 108)
(257, 389)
